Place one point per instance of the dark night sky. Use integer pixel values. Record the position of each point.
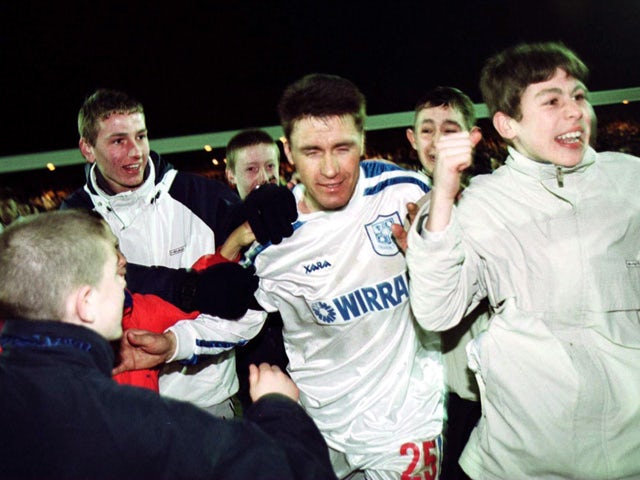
(211, 66)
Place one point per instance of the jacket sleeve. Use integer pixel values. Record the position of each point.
(209, 335)
(296, 433)
(165, 282)
(211, 259)
(150, 312)
(443, 271)
(276, 439)
(211, 200)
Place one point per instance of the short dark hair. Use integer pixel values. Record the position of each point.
(100, 105)
(321, 95)
(244, 139)
(506, 75)
(448, 97)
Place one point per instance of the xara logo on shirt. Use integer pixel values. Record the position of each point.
(319, 265)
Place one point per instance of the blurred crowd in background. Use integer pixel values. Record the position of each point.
(24, 193)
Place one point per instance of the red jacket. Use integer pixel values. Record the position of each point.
(148, 312)
(206, 261)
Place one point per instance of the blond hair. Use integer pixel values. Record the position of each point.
(44, 256)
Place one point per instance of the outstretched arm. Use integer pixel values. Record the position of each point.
(442, 271)
(187, 340)
(287, 423)
(144, 349)
(265, 379)
(240, 238)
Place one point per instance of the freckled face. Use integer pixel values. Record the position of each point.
(326, 153)
(556, 121)
(121, 150)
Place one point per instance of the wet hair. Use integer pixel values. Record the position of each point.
(448, 97)
(506, 75)
(321, 95)
(101, 105)
(247, 138)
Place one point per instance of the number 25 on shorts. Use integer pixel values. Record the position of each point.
(427, 469)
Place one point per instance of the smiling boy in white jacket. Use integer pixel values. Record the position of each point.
(553, 240)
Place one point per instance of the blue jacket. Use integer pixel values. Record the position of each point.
(64, 417)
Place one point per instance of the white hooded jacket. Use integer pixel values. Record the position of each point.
(557, 253)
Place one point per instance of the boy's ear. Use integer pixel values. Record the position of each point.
(411, 137)
(287, 151)
(83, 304)
(87, 150)
(504, 125)
(475, 134)
(230, 177)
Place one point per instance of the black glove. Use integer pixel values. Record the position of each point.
(224, 290)
(270, 211)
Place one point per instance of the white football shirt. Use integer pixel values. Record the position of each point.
(367, 374)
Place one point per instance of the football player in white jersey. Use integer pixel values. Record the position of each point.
(371, 380)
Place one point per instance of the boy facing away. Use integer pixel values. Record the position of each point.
(552, 239)
(61, 293)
